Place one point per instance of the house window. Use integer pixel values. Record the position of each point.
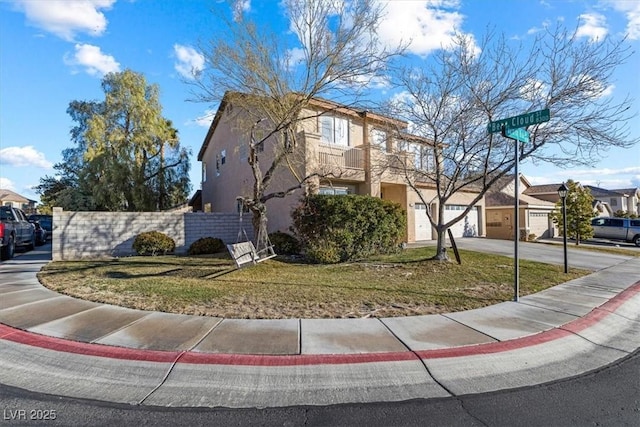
(258, 140)
(422, 156)
(243, 152)
(614, 202)
(334, 130)
(379, 139)
(335, 191)
(223, 157)
(217, 165)
(204, 172)
(240, 206)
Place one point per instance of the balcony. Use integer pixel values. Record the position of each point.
(341, 158)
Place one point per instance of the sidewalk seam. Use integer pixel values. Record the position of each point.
(426, 368)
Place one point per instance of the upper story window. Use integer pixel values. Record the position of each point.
(379, 139)
(334, 130)
(204, 172)
(422, 156)
(243, 152)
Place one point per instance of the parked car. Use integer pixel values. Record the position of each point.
(15, 231)
(46, 221)
(41, 233)
(625, 229)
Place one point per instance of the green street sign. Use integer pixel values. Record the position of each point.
(521, 121)
(518, 134)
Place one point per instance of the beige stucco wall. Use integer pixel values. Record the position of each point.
(529, 223)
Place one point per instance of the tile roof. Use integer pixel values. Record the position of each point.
(8, 195)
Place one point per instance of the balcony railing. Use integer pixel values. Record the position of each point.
(352, 158)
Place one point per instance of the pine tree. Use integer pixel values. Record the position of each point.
(580, 210)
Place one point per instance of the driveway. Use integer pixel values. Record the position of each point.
(547, 253)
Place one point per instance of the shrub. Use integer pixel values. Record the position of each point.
(284, 243)
(207, 245)
(323, 252)
(342, 228)
(153, 243)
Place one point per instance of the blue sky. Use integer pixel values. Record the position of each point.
(56, 51)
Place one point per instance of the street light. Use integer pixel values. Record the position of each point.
(562, 192)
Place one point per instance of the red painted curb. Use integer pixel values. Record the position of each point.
(9, 333)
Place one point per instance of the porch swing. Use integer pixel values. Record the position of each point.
(243, 252)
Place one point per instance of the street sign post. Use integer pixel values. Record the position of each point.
(514, 128)
(521, 121)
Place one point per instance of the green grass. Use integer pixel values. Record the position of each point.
(396, 285)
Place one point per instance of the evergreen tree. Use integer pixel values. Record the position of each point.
(580, 211)
(126, 155)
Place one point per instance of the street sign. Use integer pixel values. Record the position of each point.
(518, 134)
(521, 121)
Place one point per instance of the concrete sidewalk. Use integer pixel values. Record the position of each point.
(64, 346)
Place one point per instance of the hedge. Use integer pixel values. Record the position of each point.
(341, 228)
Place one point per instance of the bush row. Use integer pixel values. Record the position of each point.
(329, 229)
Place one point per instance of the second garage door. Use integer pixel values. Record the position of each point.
(467, 226)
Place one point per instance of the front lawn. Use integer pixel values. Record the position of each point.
(396, 285)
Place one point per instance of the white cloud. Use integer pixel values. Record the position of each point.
(593, 25)
(7, 184)
(631, 9)
(93, 60)
(190, 62)
(545, 25)
(206, 119)
(429, 24)
(295, 57)
(65, 18)
(24, 156)
(239, 8)
(532, 90)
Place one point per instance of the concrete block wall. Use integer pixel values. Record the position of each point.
(91, 235)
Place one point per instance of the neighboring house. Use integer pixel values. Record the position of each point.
(605, 202)
(10, 198)
(352, 146)
(534, 212)
(626, 199)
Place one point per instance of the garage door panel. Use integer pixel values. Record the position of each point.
(422, 223)
(467, 226)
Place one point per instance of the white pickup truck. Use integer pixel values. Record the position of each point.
(617, 229)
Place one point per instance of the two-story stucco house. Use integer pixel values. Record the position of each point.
(351, 150)
(625, 199)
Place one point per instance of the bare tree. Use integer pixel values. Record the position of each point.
(451, 100)
(272, 79)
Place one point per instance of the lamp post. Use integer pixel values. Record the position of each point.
(562, 192)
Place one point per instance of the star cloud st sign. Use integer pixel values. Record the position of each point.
(521, 121)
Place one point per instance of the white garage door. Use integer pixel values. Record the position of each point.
(539, 224)
(467, 226)
(423, 226)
